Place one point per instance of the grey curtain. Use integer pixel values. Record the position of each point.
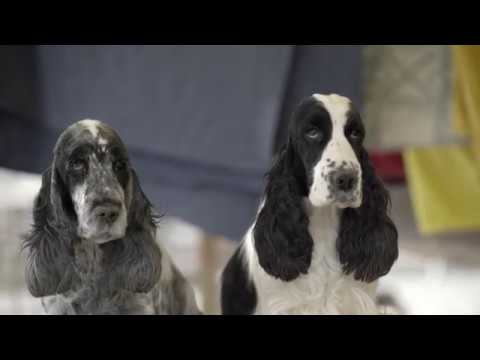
(201, 122)
(198, 120)
(322, 69)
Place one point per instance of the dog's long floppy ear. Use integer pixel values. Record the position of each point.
(60, 199)
(50, 256)
(282, 240)
(367, 242)
(136, 259)
(140, 211)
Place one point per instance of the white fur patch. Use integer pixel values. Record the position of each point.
(79, 203)
(91, 125)
(325, 290)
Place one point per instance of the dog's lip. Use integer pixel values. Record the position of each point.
(102, 240)
(106, 237)
(346, 200)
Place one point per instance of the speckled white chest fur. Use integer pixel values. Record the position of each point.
(324, 290)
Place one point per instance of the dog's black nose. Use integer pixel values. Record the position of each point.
(107, 213)
(344, 181)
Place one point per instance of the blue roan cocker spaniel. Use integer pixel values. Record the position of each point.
(93, 249)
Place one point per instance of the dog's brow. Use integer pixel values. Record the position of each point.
(82, 149)
(92, 126)
(318, 114)
(353, 116)
(116, 150)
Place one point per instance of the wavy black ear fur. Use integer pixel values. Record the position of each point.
(367, 242)
(282, 240)
(136, 259)
(133, 263)
(141, 212)
(50, 256)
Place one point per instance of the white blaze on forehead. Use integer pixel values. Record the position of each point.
(91, 125)
(337, 106)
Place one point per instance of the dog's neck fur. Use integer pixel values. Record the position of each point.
(325, 289)
(94, 288)
(89, 260)
(323, 225)
(95, 292)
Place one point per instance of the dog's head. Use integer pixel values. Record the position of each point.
(325, 162)
(91, 166)
(326, 136)
(91, 196)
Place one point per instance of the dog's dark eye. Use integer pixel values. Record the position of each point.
(314, 134)
(119, 165)
(355, 134)
(78, 165)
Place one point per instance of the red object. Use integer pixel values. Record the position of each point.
(389, 166)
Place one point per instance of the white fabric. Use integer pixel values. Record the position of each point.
(408, 96)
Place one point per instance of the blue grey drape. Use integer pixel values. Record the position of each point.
(201, 122)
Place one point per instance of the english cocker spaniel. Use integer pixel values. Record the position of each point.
(322, 235)
(93, 248)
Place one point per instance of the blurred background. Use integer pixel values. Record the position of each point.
(202, 123)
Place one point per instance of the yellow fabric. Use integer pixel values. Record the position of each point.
(466, 115)
(445, 189)
(444, 181)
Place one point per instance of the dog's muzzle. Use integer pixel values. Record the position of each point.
(344, 187)
(107, 220)
(344, 181)
(107, 212)
(102, 215)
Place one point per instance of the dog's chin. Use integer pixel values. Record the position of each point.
(341, 201)
(102, 236)
(348, 201)
(99, 233)
(346, 205)
(320, 201)
(107, 237)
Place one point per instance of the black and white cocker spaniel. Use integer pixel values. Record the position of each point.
(93, 248)
(322, 235)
